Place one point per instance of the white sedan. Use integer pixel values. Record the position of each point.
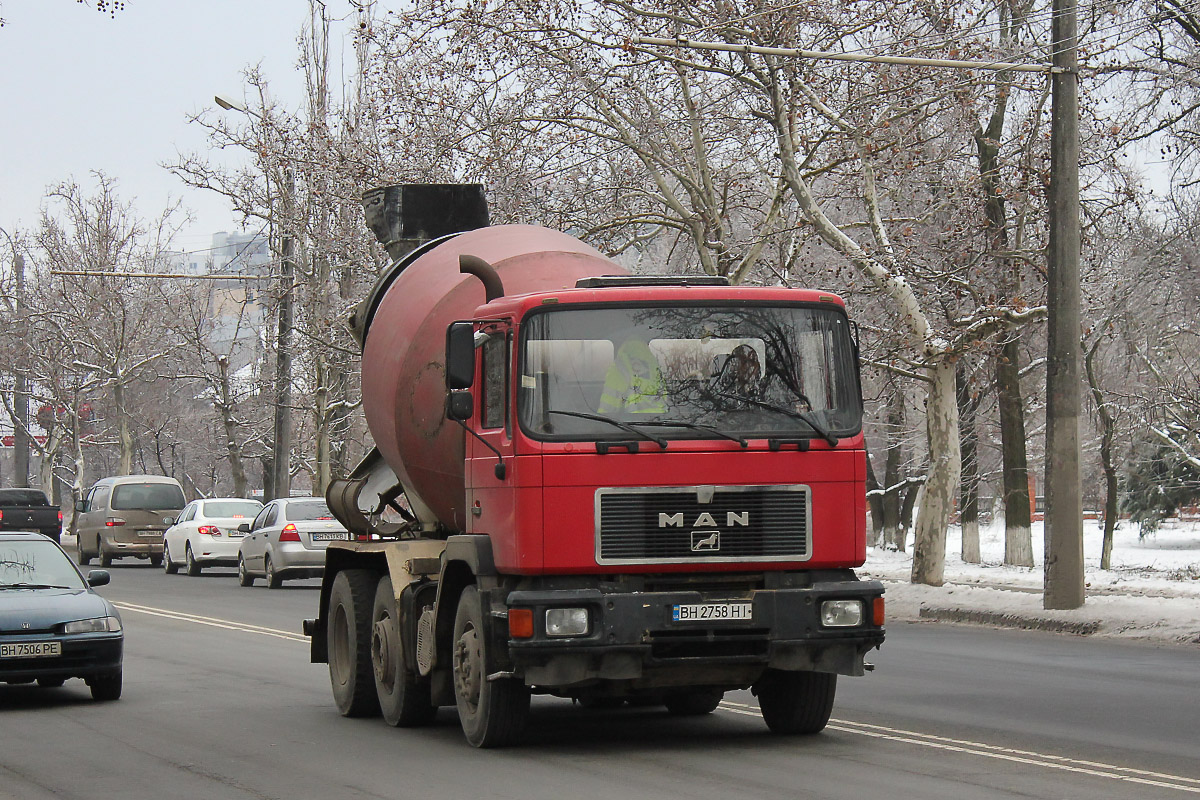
(206, 534)
(287, 540)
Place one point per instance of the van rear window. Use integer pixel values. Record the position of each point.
(156, 496)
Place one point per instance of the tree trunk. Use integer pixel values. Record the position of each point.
(237, 468)
(125, 464)
(968, 503)
(875, 503)
(894, 535)
(941, 482)
(1018, 537)
(1108, 430)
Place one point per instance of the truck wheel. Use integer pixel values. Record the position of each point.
(349, 638)
(403, 696)
(82, 556)
(694, 703)
(492, 713)
(106, 558)
(796, 702)
(169, 566)
(193, 566)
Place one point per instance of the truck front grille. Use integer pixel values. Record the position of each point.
(703, 524)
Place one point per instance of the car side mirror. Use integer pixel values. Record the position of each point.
(244, 527)
(98, 577)
(460, 405)
(81, 506)
(170, 520)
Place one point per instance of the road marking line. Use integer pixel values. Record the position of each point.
(1101, 770)
(212, 622)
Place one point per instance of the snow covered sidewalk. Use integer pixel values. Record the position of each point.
(1152, 592)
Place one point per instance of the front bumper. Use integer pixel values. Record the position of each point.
(633, 636)
(84, 655)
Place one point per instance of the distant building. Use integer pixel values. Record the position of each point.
(236, 308)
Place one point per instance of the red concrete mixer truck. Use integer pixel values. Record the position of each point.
(592, 485)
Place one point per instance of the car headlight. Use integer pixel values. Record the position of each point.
(95, 625)
(841, 613)
(566, 622)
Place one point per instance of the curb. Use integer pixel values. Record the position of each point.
(1003, 620)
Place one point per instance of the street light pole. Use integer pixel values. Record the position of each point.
(20, 417)
(281, 446)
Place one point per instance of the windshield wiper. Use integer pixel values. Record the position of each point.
(32, 586)
(658, 440)
(800, 415)
(678, 423)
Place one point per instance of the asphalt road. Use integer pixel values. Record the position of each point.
(221, 702)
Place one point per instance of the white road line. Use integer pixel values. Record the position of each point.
(212, 622)
(1050, 761)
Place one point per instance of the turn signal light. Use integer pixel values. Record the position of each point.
(877, 612)
(289, 533)
(520, 623)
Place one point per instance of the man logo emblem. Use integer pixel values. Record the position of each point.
(706, 540)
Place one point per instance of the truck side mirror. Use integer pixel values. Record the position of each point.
(81, 506)
(460, 356)
(460, 405)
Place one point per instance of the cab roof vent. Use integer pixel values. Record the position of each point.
(603, 281)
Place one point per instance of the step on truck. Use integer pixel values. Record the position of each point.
(590, 484)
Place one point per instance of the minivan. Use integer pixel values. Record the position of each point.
(126, 516)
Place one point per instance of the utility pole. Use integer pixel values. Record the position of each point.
(282, 449)
(20, 388)
(1064, 577)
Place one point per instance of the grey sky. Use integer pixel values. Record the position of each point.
(81, 91)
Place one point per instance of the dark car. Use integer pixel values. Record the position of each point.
(53, 626)
(29, 510)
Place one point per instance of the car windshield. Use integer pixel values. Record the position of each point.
(36, 563)
(147, 496)
(235, 509)
(299, 510)
(689, 372)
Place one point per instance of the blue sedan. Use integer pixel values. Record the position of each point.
(53, 626)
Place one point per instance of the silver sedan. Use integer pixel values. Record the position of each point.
(287, 540)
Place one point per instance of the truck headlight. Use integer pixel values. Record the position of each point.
(841, 613)
(566, 622)
(95, 625)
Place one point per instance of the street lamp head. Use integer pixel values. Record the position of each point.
(228, 103)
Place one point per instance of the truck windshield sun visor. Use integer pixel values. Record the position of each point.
(688, 371)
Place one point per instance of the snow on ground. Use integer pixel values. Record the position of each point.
(1152, 590)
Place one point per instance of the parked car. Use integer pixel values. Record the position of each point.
(207, 534)
(53, 626)
(126, 516)
(287, 540)
(29, 510)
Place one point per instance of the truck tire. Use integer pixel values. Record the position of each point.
(404, 698)
(106, 558)
(349, 643)
(82, 556)
(492, 713)
(694, 703)
(796, 702)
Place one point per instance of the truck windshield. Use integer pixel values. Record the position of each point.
(747, 371)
